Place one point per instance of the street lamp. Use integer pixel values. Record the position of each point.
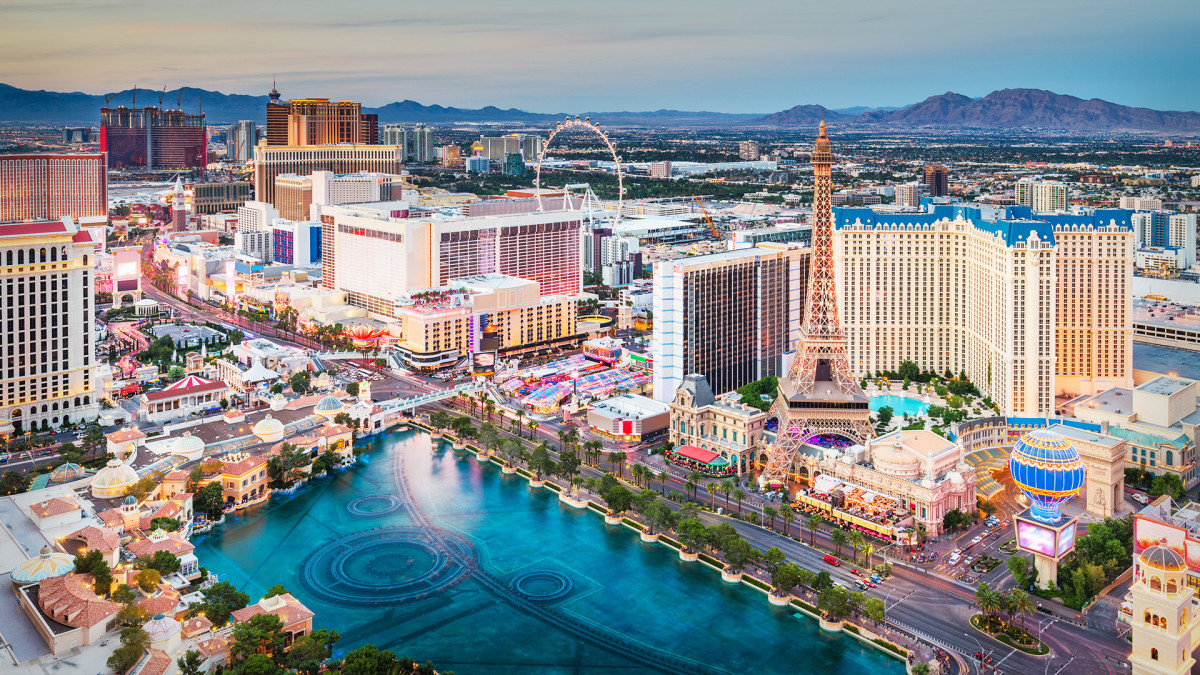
(1042, 627)
(981, 651)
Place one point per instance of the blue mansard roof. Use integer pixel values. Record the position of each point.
(1013, 223)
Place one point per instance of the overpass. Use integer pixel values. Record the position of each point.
(423, 399)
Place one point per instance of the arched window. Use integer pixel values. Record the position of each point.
(1147, 617)
(1156, 583)
(66, 405)
(54, 407)
(1170, 458)
(32, 256)
(85, 260)
(1162, 622)
(76, 401)
(45, 409)
(87, 400)
(42, 258)
(20, 257)
(63, 255)
(1154, 654)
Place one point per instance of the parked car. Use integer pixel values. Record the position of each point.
(1141, 498)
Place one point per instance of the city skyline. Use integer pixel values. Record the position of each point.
(866, 53)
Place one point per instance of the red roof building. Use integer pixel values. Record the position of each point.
(189, 395)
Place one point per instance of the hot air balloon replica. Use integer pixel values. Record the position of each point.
(1049, 470)
(364, 337)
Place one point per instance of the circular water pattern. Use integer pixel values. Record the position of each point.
(541, 585)
(373, 506)
(385, 565)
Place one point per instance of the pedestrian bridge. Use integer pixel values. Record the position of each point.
(432, 397)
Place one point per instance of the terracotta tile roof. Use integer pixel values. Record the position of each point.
(124, 435)
(166, 394)
(112, 518)
(176, 476)
(172, 541)
(213, 646)
(100, 538)
(165, 601)
(55, 506)
(70, 600)
(243, 466)
(332, 430)
(196, 625)
(304, 401)
(155, 662)
(290, 610)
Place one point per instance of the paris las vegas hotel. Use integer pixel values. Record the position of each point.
(1028, 306)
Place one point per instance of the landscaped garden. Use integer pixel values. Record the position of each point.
(998, 619)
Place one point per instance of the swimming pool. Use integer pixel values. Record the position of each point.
(362, 561)
(900, 405)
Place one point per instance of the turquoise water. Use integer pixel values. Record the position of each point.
(901, 405)
(368, 570)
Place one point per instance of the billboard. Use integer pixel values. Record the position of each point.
(1066, 540)
(1147, 533)
(626, 427)
(1036, 538)
(483, 364)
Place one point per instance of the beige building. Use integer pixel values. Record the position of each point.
(723, 425)
(217, 197)
(293, 196)
(443, 324)
(1026, 308)
(273, 160)
(1166, 616)
(1158, 420)
(1104, 463)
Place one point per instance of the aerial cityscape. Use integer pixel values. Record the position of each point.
(368, 339)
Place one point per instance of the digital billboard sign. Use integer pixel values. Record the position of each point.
(1147, 533)
(483, 364)
(1066, 539)
(1036, 538)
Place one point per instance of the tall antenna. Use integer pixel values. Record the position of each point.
(179, 102)
(133, 104)
(160, 97)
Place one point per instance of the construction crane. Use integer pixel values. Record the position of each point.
(711, 226)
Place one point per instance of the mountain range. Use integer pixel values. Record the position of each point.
(1002, 109)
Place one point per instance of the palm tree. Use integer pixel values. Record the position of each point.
(867, 551)
(489, 405)
(520, 419)
(738, 496)
(662, 481)
(532, 425)
(814, 521)
(592, 450)
(696, 477)
(838, 537)
(635, 472)
(769, 513)
(621, 457)
(1021, 604)
(690, 486)
(726, 488)
(562, 439)
(983, 595)
(712, 491)
(613, 457)
(856, 540)
(788, 515)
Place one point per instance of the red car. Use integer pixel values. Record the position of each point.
(833, 561)
(856, 573)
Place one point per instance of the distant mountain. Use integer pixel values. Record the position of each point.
(48, 106)
(1009, 109)
(801, 115)
(860, 109)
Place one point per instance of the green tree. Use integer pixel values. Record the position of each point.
(769, 514)
(874, 609)
(788, 514)
(300, 382)
(148, 580)
(857, 540)
(352, 389)
(773, 559)
(260, 634)
(12, 483)
(165, 524)
(210, 500)
(692, 533)
(884, 415)
(739, 553)
(133, 642)
(921, 669)
(93, 563)
(908, 371)
(785, 577)
(190, 663)
(540, 463)
(838, 538)
(619, 499)
(124, 594)
(712, 489)
(814, 522)
(258, 664)
(726, 487)
(369, 660)
(1168, 484)
(822, 581)
(221, 600)
(1018, 565)
(93, 440)
(275, 590)
(834, 602)
(165, 562)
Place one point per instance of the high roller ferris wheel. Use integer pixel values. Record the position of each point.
(584, 124)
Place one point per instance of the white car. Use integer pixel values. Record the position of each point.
(1141, 498)
(976, 540)
(954, 559)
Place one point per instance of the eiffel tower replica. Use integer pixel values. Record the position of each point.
(819, 394)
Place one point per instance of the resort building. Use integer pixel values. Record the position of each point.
(1165, 617)
(728, 316)
(48, 367)
(125, 442)
(303, 160)
(1158, 421)
(723, 425)
(186, 397)
(1028, 309)
(904, 480)
(243, 479)
(629, 418)
(171, 542)
(66, 611)
(296, 618)
(442, 325)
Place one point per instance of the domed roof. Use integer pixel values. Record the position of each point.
(130, 501)
(187, 444)
(1162, 558)
(329, 406)
(278, 402)
(1047, 468)
(47, 564)
(115, 474)
(161, 627)
(268, 429)
(895, 460)
(65, 473)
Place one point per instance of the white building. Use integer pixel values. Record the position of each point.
(660, 169)
(256, 217)
(255, 243)
(1026, 308)
(1165, 237)
(908, 194)
(1042, 195)
(48, 375)
(395, 134)
(1140, 203)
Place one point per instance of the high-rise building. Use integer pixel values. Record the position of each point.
(422, 144)
(296, 243)
(937, 180)
(397, 134)
(277, 119)
(748, 151)
(377, 254)
(240, 140)
(477, 165)
(256, 217)
(514, 165)
(77, 135)
(908, 194)
(47, 350)
(1026, 308)
(271, 161)
(1174, 233)
(47, 187)
(293, 196)
(1140, 203)
(217, 197)
(255, 244)
(728, 316)
(660, 169)
(149, 138)
(1041, 195)
(296, 195)
(497, 147)
(319, 121)
(451, 155)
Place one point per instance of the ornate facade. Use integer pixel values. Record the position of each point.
(722, 425)
(1166, 616)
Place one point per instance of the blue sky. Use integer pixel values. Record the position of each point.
(741, 56)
